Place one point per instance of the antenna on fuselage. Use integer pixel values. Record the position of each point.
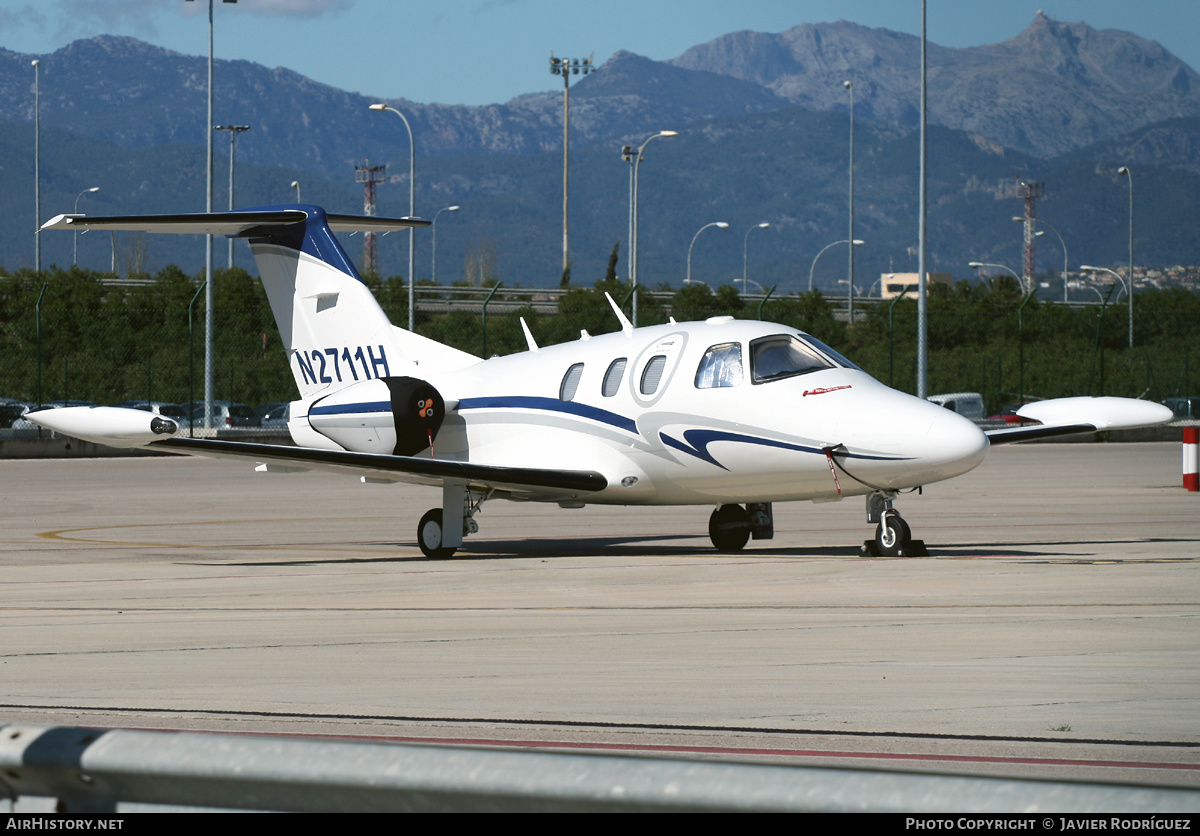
(626, 325)
(528, 336)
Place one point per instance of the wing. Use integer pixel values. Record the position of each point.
(514, 482)
(1069, 416)
(120, 427)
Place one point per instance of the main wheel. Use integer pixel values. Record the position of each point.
(729, 528)
(892, 535)
(429, 536)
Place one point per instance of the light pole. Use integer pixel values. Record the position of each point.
(37, 163)
(975, 265)
(1124, 172)
(745, 251)
(433, 226)
(234, 130)
(633, 213)
(858, 242)
(296, 186)
(412, 163)
(566, 67)
(1088, 268)
(75, 233)
(208, 239)
(718, 225)
(850, 268)
(1020, 220)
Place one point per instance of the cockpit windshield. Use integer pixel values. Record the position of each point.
(787, 355)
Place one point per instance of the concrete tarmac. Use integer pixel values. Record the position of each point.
(1052, 631)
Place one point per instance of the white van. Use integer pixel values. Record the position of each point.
(967, 404)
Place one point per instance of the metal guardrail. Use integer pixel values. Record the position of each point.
(92, 771)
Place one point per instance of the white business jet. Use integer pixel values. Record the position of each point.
(728, 413)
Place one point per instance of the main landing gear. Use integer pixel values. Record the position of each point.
(441, 530)
(893, 538)
(730, 526)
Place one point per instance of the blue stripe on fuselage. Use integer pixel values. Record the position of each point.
(551, 405)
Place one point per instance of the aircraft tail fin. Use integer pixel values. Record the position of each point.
(333, 330)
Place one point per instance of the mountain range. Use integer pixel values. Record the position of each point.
(763, 122)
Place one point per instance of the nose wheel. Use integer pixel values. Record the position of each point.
(893, 537)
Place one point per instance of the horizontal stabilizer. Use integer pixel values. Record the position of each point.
(231, 223)
(1068, 416)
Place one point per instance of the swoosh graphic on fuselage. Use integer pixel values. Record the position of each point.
(695, 441)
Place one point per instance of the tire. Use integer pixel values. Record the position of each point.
(429, 536)
(892, 535)
(729, 528)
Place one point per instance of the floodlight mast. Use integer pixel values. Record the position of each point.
(566, 67)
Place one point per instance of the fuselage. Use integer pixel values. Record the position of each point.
(722, 411)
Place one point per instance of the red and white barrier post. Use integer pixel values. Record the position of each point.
(1191, 458)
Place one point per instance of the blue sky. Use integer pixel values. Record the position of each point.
(487, 51)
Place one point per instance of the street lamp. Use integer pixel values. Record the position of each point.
(234, 130)
(37, 162)
(975, 265)
(433, 271)
(1128, 288)
(718, 225)
(1088, 268)
(745, 246)
(1020, 220)
(1124, 172)
(412, 162)
(75, 243)
(296, 186)
(635, 160)
(850, 268)
(858, 242)
(208, 239)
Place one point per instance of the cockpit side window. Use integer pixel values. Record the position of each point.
(612, 377)
(720, 367)
(774, 358)
(570, 383)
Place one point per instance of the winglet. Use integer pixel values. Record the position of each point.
(533, 346)
(626, 325)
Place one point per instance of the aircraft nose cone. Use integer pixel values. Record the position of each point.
(955, 444)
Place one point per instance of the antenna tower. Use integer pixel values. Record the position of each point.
(369, 175)
(1030, 192)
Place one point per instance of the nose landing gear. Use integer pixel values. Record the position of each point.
(893, 538)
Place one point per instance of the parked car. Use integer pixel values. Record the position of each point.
(11, 411)
(167, 410)
(967, 404)
(225, 414)
(23, 423)
(276, 416)
(1009, 414)
(1184, 408)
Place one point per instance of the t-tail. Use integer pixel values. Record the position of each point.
(333, 330)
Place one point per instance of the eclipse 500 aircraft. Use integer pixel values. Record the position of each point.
(727, 413)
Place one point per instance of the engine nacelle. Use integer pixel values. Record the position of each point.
(397, 415)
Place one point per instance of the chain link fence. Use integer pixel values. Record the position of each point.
(78, 335)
